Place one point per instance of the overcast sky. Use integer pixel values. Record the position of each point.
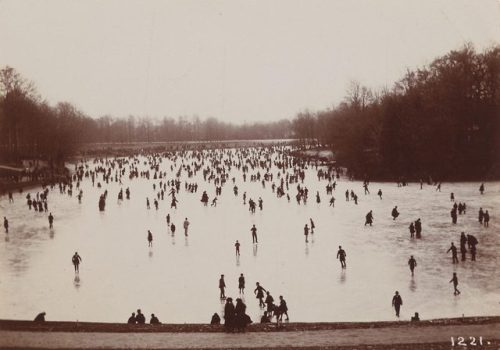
(234, 60)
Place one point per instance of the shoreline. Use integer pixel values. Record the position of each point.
(103, 327)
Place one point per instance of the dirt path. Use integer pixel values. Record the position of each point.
(403, 337)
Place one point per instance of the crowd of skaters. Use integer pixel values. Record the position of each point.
(216, 167)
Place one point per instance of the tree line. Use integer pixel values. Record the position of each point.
(440, 121)
(31, 128)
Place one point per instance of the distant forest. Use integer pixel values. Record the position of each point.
(441, 120)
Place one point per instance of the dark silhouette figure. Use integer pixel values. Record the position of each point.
(154, 320)
(395, 213)
(341, 254)
(397, 302)
(412, 263)
(150, 239)
(454, 279)
(254, 234)
(229, 315)
(369, 218)
(454, 255)
(51, 220)
(259, 294)
(140, 317)
(6, 224)
(415, 318)
(215, 319)
(132, 319)
(40, 317)
(463, 242)
(222, 287)
(265, 318)
(241, 284)
(486, 219)
(418, 228)
(76, 259)
(283, 309)
(412, 230)
(237, 247)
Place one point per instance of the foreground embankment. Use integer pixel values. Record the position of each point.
(432, 334)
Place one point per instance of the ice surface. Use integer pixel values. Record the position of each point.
(177, 279)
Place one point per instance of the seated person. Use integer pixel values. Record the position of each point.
(215, 319)
(40, 317)
(265, 318)
(415, 318)
(154, 320)
(131, 319)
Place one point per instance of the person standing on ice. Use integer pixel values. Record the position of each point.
(395, 213)
(283, 309)
(412, 263)
(454, 255)
(481, 188)
(380, 193)
(313, 226)
(237, 247)
(397, 302)
(306, 232)
(222, 287)
(77, 259)
(241, 284)
(481, 216)
(341, 255)
(369, 218)
(412, 230)
(51, 220)
(418, 228)
(454, 279)
(463, 242)
(150, 239)
(186, 226)
(254, 234)
(259, 291)
(6, 224)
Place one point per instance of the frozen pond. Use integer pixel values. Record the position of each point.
(177, 279)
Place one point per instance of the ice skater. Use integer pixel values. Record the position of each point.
(237, 247)
(313, 226)
(241, 284)
(395, 213)
(397, 301)
(454, 279)
(306, 232)
(186, 226)
(453, 251)
(150, 239)
(222, 287)
(76, 259)
(283, 309)
(51, 220)
(6, 224)
(369, 218)
(254, 234)
(341, 254)
(259, 292)
(412, 263)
